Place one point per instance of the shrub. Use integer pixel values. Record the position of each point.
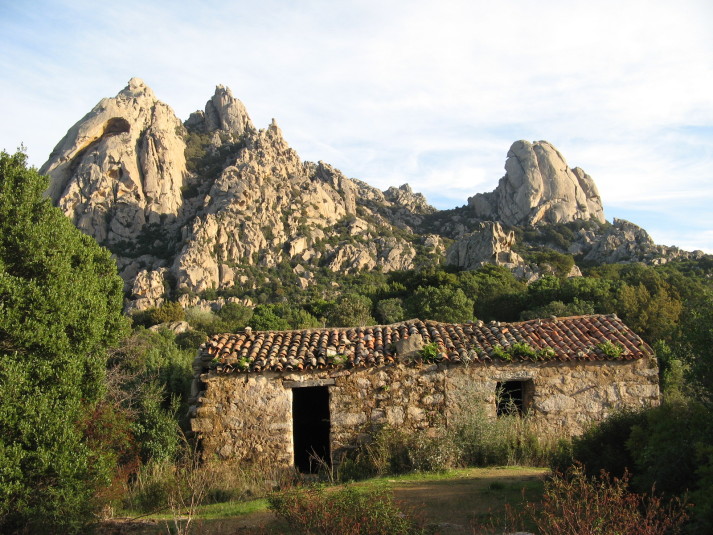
(168, 312)
(390, 310)
(575, 504)
(191, 339)
(603, 445)
(346, 511)
(666, 446)
(202, 319)
(480, 440)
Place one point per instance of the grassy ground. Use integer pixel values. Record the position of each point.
(452, 502)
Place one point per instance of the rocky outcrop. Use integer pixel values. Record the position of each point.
(206, 204)
(488, 244)
(192, 203)
(120, 167)
(539, 187)
(624, 241)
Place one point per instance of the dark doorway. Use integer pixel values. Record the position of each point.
(513, 397)
(310, 427)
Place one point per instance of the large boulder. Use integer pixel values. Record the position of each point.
(487, 244)
(539, 187)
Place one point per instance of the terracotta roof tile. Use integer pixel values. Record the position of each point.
(595, 337)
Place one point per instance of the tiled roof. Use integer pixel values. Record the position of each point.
(578, 338)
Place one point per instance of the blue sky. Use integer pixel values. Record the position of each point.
(429, 93)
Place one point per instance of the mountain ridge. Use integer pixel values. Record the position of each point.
(199, 205)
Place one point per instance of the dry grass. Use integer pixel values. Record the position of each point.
(452, 501)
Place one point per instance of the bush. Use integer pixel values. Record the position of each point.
(604, 445)
(191, 339)
(346, 511)
(60, 308)
(507, 440)
(168, 312)
(575, 504)
(666, 447)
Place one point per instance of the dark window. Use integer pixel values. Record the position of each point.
(513, 397)
(310, 428)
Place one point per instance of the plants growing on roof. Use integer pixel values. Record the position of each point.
(429, 352)
(610, 349)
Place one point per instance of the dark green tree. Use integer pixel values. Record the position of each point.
(265, 318)
(390, 310)
(352, 310)
(60, 307)
(443, 304)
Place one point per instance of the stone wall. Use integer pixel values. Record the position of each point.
(248, 417)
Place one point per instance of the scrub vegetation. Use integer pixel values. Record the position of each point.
(93, 412)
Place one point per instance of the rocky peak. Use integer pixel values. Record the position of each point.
(539, 187)
(120, 167)
(136, 89)
(223, 112)
(404, 197)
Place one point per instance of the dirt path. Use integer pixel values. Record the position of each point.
(452, 504)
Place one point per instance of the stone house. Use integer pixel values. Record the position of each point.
(283, 395)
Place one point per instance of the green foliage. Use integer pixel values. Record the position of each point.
(346, 511)
(497, 293)
(153, 384)
(191, 339)
(351, 310)
(205, 159)
(672, 372)
(391, 310)
(522, 350)
(265, 319)
(443, 303)
(562, 264)
(168, 312)
(61, 301)
(203, 320)
(695, 344)
(234, 316)
(610, 349)
(501, 353)
(665, 446)
(155, 427)
(429, 352)
(604, 445)
(559, 309)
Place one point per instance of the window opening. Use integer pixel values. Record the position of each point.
(513, 397)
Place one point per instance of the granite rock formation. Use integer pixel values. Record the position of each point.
(208, 203)
(539, 187)
(487, 244)
(192, 205)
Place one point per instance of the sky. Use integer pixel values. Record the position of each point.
(429, 93)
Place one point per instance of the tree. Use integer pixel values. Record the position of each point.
(443, 304)
(695, 346)
(60, 307)
(390, 310)
(352, 310)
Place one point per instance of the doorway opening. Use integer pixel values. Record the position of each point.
(310, 428)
